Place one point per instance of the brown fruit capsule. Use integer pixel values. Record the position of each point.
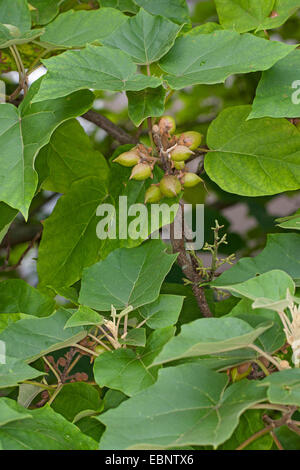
(141, 172)
(130, 158)
(181, 153)
(170, 186)
(167, 124)
(191, 139)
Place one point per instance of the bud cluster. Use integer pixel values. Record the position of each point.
(171, 153)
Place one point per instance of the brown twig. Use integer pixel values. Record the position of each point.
(285, 420)
(112, 129)
(186, 262)
(18, 264)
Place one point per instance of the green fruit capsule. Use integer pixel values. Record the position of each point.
(191, 139)
(170, 186)
(181, 153)
(179, 165)
(99, 349)
(167, 124)
(190, 180)
(128, 159)
(141, 172)
(153, 194)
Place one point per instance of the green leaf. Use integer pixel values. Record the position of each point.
(10, 36)
(273, 338)
(27, 394)
(188, 405)
(70, 156)
(31, 338)
(16, 296)
(243, 15)
(163, 312)
(69, 240)
(76, 398)
(210, 336)
(208, 58)
(284, 387)
(288, 439)
(248, 158)
(175, 10)
(78, 28)
(276, 94)
(84, 316)
(44, 12)
(282, 252)
(126, 277)
(7, 215)
(135, 337)
(9, 412)
(265, 289)
(15, 12)
(100, 68)
(23, 132)
(126, 370)
(40, 429)
(146, 103)
(15, 23)
(123, 5)
(292, 222)
(250, 423)
(284, 9)
(15, 371)
(146, 38)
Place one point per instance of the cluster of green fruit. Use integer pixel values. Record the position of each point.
(179, 150)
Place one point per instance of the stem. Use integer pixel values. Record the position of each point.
(268, 406)
(39, 384)
(112, 129)
(293, 428)
(142, 323)
(276, 440)
(89, 351)
(21, 68)
(58, 389)
(125, 329)
(262, 366)
(53, 370)
(264, 354)
(112, 341)
(255, 436)
(99, 341)
(35, 65)
(72, 365)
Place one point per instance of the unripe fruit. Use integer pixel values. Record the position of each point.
(181, 153)
(179, 165)
(170, 186)
(241, 372)
(141, 172)
(99, 349)
(129, 158)
(189, 180)
(191, 139)
(153, 194)
(167, 124)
